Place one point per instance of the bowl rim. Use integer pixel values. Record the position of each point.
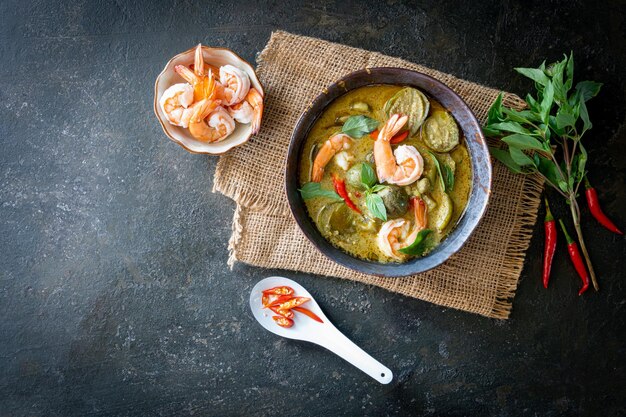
(481, 192)
(155, 103)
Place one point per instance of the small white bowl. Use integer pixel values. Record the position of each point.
(217, 57)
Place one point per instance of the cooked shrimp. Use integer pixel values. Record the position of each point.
(249, 110)
(175, 103)
(394, 234)
(327, 151)
(235, 83)
(203, 84)
(210, 123)
(402, 166)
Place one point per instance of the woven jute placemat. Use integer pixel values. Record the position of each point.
(481, 278)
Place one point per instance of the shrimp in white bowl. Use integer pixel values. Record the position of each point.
(397, 234)
(250, 110)
(210, 122)
(175, 103)
(401, 167)
(234, 85)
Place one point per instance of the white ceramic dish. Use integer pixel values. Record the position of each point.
(217, 57)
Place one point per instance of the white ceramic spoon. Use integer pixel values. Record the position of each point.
(307, 329)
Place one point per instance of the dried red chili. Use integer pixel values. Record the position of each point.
(309, 313)
(549, 248)
(596, 210)
(577, 260)
(340, 188)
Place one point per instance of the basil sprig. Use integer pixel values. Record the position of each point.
(445, 174)
(419, 245)
(314, 189)
(358, 126)
(373, 201)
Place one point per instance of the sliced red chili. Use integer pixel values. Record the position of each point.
(285, 313)
(265, 300)
(283, 321)
(577, 260)
(399, 137)
(340, 188)
(309, 313)
(596, 209)
(396, 139)
(278, 300)
(293, 302)
(282, 290)
(549, 226)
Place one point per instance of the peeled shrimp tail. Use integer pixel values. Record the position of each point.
(326, 153)
(187, 74)
(198, 63)
(256, 101)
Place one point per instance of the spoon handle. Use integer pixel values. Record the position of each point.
(335, 341)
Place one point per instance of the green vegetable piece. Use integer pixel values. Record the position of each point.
(335, 217)
(395, 199)
(442, 181)
(353, 177)
(358, 126)
(418, 247)
(376, 206)
(441, 133)
(314, 190)
(449, 177)
(360, 106)
(411, 102)
(442, 216)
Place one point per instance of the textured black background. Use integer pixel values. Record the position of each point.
(115, 296)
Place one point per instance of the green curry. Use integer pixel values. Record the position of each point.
(364, 215)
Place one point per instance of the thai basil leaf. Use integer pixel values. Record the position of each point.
(535, 74)
(565, 117)
(587, 89)
(584, 115)
(358, 126)
(523, 142)
(376, 206)
(418, 247)
(548, 169)
(512, 127)
(377, 188)
(503, 156)
(368, 176)
(569, 70)
(438, 166)
(520, 157)
(546, 102)
(449, 177)
(314, 190)
(495, 111)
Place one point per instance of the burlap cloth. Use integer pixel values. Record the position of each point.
(480, 278)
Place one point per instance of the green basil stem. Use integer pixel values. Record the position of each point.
(576, 217)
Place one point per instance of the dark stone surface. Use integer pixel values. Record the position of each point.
(115, 296)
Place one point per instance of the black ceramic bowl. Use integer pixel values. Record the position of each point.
(474, 138)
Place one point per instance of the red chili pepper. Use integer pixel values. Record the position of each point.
(285, 313)
(577, 260)
(283, 321)
(396, 139)
(596, 210)
(283, 290)
(549, 248)
(293, 302)
(278, 300)
(308, 313)
(340, 188)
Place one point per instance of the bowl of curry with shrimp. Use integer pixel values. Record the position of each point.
(388, 172)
